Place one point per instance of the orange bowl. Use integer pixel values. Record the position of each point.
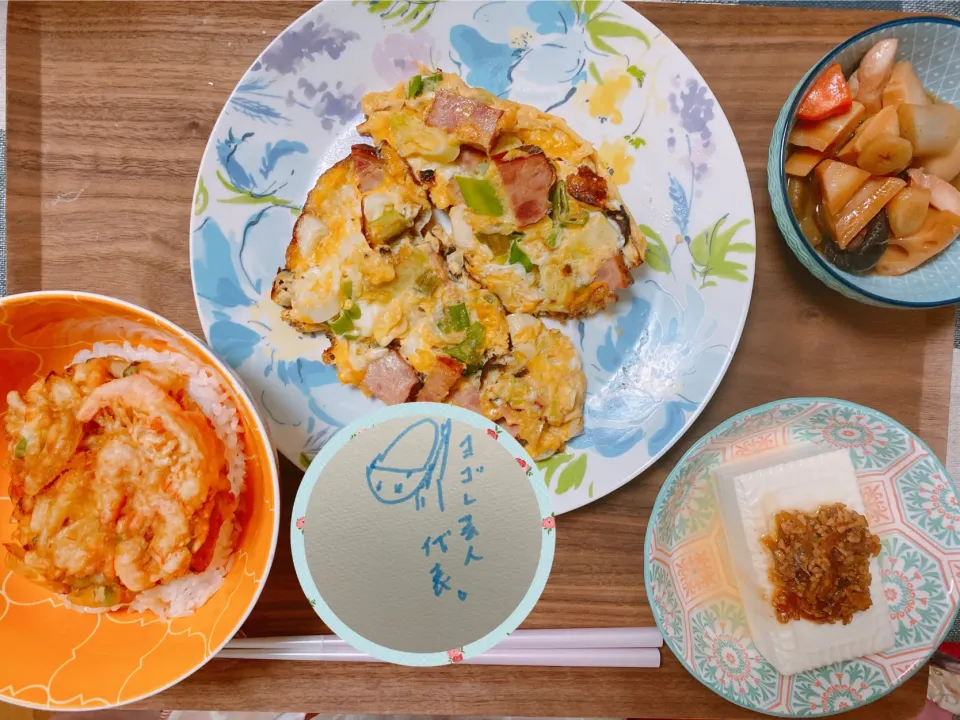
(56, 658)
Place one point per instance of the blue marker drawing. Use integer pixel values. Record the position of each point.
(467, 500)
(461, 594)
(439, 580)
(466, 446)
(435, 541)
(469, 530)
(471, 556)
(393, 485)
(466, 475)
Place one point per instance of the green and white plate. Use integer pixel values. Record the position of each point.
(911, 504)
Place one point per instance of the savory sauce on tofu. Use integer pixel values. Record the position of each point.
(821, 564)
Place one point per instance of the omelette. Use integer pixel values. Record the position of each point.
(352, 215)
(535, 215)
(426, 258)
(536, 390)
(397, 321)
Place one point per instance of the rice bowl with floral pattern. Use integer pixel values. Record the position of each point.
(911, 505)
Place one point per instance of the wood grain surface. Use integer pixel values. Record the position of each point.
(109, 108)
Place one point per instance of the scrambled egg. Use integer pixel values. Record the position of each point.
(560, 281)
(330, 243)
(536, 227)
(368, 296)
(537, 389)
(411, 312)
(555, 265)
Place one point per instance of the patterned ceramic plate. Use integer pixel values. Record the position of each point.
(59, 659)
(912, 505)
(652, 362)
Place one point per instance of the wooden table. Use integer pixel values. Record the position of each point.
(109, 108)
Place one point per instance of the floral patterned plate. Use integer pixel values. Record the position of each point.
(911, 504)
(652, 362)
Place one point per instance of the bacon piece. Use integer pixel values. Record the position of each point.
(368, 166)
(441, 379)
(615, 274)
(472, 121)
(527, 180)
(390, 378)
(586, 186)
(470, 158)
(466, 397)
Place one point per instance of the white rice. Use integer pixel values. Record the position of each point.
(186, 594)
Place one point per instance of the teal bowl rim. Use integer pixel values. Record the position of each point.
(780, 144)
(673, 477)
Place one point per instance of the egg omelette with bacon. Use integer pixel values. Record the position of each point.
(426, 258)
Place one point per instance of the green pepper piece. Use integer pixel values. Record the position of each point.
(457, 317)
(388, 225)
(468, 351)
(561, 207)
(342, 323)
(479, 196)
(415, 87)
(346, 289)
(553, 239)
(518, 256)
(431, 81)
(559, 200)
(427, 282)
(21, 448)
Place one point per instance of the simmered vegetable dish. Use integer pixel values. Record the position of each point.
(873, 168)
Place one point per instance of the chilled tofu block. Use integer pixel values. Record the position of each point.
(750, 494)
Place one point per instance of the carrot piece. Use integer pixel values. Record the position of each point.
(828, 96)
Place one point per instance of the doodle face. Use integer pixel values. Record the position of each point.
(393, 483)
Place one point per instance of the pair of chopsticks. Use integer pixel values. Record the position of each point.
(580, 647)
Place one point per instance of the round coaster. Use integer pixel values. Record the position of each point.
(423, 534)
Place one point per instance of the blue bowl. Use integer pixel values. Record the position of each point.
(932, 44)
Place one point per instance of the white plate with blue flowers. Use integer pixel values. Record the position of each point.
(652, 361)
